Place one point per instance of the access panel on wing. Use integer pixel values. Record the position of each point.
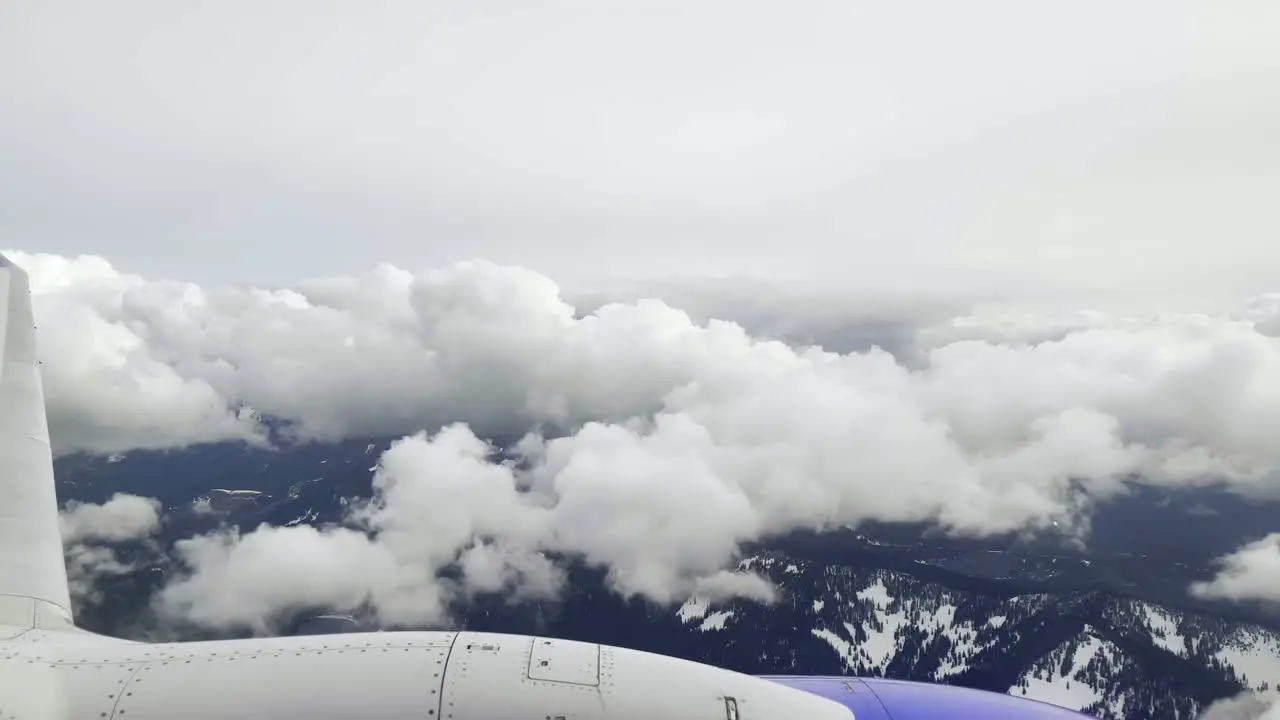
(565, 661)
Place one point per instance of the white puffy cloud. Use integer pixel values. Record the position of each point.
(447, 521)
(124, 517)
(662, 442)
(725, 585)
(1264, 311)
(87, 567)
(109, 385)
(844, 317)
(1245, 706)
(249, 581)
(391, 353)
(1251, 573)
(88, 531)
(438, 504)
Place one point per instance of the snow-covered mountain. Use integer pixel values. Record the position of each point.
(1108, 656)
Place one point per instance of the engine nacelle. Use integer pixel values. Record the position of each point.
(883, 699)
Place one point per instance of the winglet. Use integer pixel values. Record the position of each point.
(33, 576)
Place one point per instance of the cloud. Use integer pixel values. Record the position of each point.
(1251, 573)
(109, 384)
(842, 318)
(660, 442)
(124, 517)
(252, 581)
(88, 532)
(439, 504)
(87, 567)
(389, 352)
(1264, 311)
(724, 585)
(1245, 706)
(450, 520)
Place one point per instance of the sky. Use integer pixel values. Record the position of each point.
(1012, 258)
(995, 145)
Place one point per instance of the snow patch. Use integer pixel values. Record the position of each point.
(1164, 630)
(715, 621)
(1255, 655)
(1048, 682)
(843, 647)
(877, 593)
(307, 518)
(692, 609)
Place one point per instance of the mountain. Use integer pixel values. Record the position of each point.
(1107, 655)
(1110, 631)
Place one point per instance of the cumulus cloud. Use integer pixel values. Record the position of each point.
(439, 505)
(449, 519)
(1245, 706)
(90, 530)
(1264, 311)
(841, 318)
(109, 385)
(1251, 573)
(249, 581)
(87, 567)
(725, 585)
(123, 517)
(661, 441)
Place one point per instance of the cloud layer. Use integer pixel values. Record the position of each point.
(660, 443)
(1250, 574)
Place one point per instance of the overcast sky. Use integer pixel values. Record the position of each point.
(851, 174)
(1032, 145)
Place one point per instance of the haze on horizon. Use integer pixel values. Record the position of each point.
(1097, 148)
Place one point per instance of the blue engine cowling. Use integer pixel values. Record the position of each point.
(881, 699)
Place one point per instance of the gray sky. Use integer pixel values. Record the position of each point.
(875, 169)
(1102, 145)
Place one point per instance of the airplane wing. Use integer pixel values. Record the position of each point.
(33, 576)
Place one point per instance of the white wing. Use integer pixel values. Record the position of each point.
(33, 577)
